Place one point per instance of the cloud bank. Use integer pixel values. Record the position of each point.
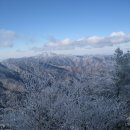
(7, 38)
(114, 38)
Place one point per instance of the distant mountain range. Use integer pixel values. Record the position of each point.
(58, 67)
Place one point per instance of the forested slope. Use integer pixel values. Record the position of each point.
(65, 92)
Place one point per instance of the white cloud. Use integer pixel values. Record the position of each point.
(115, 38)
(117, 34)
(81, 46)
(7, 38)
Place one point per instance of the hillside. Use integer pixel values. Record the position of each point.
(11, 90)
(64, 92)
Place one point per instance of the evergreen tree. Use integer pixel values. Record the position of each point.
(122, 69)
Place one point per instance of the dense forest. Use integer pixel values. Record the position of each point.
(65, 92)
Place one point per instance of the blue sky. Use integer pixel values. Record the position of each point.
(28, 27)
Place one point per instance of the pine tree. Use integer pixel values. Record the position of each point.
(122, 69)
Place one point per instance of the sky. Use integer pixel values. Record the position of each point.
(31, 27)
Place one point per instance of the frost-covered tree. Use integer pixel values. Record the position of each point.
(122, 69)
